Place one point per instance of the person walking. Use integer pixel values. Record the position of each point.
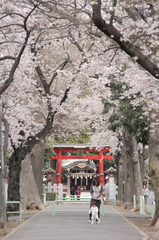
(94, 211)
(96, 191)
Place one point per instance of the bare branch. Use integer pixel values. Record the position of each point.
(9, 25)
(25, 21)
(43, 80)
(66, 93)
(61, 67)
(7, 57)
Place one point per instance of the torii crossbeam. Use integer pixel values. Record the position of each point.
(80, 149)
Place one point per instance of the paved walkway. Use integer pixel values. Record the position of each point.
(74, 226)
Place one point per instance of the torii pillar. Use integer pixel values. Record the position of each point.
(101, 167)
(100, 157)
(59, 167)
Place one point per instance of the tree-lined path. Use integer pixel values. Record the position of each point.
(72, 69)
(75, 226)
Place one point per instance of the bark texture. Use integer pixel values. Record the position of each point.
(128, 173)
(120, 178)
(137, 178)
(120, 183)
(132, 178)
(14, 175)
(31, 177)
(17, 157)
(1, 210)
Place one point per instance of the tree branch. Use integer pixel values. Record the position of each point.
(43, 80)
(61, 67)
(110, 31)
(10, 79)
(7, 57)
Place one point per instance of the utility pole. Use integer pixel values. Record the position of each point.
(2, 174)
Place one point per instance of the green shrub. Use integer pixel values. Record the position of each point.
(50, 196)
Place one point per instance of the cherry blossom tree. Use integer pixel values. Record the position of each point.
(22, 109)
(131, 29)
(42, 91)
(58, 66)
(133, 26)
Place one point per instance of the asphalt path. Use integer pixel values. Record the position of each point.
(75, 226)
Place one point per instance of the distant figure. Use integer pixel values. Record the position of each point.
(146, 193)
(78, 193)
(94, 213)
(72, 193)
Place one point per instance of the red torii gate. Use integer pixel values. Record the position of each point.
(80, 149)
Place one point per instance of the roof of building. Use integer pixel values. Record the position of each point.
(49, 170)
(67, 163)
(111, 169)
(75, 145)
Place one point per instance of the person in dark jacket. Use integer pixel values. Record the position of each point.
(72, 193)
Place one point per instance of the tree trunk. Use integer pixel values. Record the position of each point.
(132, 179)
(31, 177)
(136, 170)
(154, 161)
(5, 147)
(120, 183)
(128, 172)
(18, 155)
(142, 161)
(1, 203)
(119, 163)
(14, 176)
